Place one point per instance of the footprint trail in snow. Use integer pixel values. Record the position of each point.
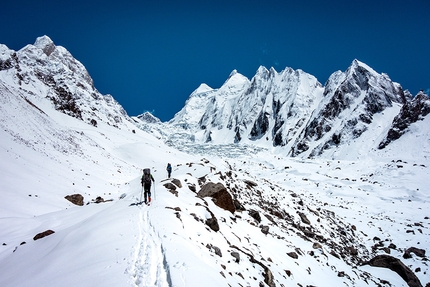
(148, 264)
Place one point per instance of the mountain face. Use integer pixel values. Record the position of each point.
(292, 110)
(51, 71)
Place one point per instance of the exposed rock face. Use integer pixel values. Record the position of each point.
(394, 264)
(77, 199)
(410, 113)
(219, 194)
(354, 96)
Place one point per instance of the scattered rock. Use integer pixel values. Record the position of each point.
(250, 183)
(100, 199)
(293, 255)
(418, 252)
(265, 229)
(192, 187)
(316, 245)
(43, 234)
(304, 219)
(177, 182)
(169, 186)
(238, 205)
(255, 214)
(236, 256)
(213, 223)
(77, 199)
(216, 250)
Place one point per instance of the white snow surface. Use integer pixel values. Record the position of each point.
(47, 155)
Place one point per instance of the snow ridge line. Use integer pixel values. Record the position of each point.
(149, 267)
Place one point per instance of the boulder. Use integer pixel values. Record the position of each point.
(213, 223)
(255, 214)
(219, 194)
(394, 264)
(77, 199)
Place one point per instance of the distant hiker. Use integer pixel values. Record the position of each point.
(169, 170)
(146, 183)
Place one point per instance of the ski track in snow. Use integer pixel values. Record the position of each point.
(149, 268)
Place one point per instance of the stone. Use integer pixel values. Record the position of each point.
(76, 199)
(394, 264)
(219, 194)
(236, 256)
(43, 234)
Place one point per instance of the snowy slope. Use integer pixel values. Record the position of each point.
(295, 222)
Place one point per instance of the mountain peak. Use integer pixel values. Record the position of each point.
(235, 79)
(45, 44)
(358, 64)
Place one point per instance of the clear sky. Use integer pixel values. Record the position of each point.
(151, 55)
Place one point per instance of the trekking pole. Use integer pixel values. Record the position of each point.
(154, 190)
(141, 195)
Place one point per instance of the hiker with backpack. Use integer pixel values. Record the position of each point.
(146, 183)
(169, 170)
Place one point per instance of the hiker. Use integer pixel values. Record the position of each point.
(169, 170)
(146, 183)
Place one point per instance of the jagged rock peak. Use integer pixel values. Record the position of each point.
(45, 44)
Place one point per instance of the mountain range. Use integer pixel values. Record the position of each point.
(277, 181)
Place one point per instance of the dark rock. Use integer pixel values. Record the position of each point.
(418, 252)
(250, 183)
(170, 186)
(293, 255)
(177, 182)
(316, 245)
(77, 199)
(219, 194)
(265, 229)
(192, 187)
(213, 223)
(255, 214)
(217, 251)
(236, 256)
(99, 199)
(238, 205)
(304, 219)
(394, 264)
(43, 234)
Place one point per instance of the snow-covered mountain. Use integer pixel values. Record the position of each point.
(46, 72)
(236, 212)
(291, 109)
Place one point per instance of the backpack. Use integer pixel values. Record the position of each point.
(146, 178)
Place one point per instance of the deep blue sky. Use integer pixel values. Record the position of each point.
(151, 55)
